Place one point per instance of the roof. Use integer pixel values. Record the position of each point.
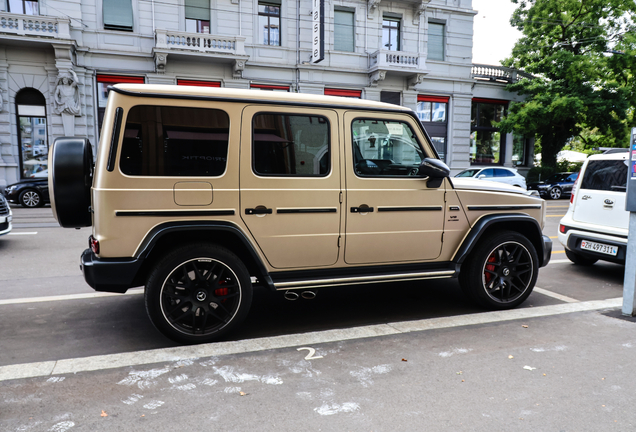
(253, 95)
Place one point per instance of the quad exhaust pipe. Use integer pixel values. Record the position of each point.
(293, 295)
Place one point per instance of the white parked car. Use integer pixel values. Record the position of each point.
(596, 224)
(5, 216)
(499, 174)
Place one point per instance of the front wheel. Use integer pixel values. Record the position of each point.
(198, 293)
(501, 271)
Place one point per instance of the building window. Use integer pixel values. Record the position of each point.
(196, 83)
(268, 87)
(291, 145)
(269, 23)
(391, 34)
(103, 81)
(354, 94)
(487, 144)
(32, 140)
(344, 31)
(197, 15)
(27, 7)
(436, 41)
(394, 98)
(117, 14)
(519, 150)
(432, 112)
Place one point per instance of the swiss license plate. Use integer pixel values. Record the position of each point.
(599, 247)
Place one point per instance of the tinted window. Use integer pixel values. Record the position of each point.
(607, 175)
(487, 173)
(385, 148)
(293, 145)
(174, 141)
(503, 173)
(467, 173)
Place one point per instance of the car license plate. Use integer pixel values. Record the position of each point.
(599, 247)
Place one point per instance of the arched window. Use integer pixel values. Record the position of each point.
(32, 138)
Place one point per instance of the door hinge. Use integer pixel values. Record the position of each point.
(340, 197)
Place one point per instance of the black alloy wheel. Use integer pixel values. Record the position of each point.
(555, 193)
(198, 294)
(501, 271)
(31, 198)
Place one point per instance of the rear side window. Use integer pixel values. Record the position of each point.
(291, 145)
(174, 141)
(503, 173)
(606, 175)
(488, 172)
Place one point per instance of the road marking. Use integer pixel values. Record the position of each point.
(134, 291)
(561, 261)
(554, 237)
(555, 295)
(23, 233)
(554, 215)
(112, 361)
(558, 251)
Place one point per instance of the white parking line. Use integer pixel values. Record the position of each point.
(133, 291)
(112, 361)
(561, 261)
(555, 295)
(23, 233)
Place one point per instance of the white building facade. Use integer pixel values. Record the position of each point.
(57, 58)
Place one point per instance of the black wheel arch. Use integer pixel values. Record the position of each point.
(170, 235)
(523, 224)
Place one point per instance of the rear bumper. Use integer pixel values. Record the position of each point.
(109, 275)
(547, 250)
(574, 245)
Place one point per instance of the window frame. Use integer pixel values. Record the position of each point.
(18, 104)
(443, 42)
(116, 27)
(476, 128)
(8, 3)
(398, 21)
(353, 28)
(270, 15)
(378, 176)
(329, 146)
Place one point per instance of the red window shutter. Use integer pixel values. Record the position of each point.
(424, 98)
(491, 101)
(269, 87)
(198, 83)
(120, 79)
(343, 92)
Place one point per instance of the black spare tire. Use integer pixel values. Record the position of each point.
(70, 181)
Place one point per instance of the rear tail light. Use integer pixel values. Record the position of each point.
(93, 243)
(562, 229)
(573, 191)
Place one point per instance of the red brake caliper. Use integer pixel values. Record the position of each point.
(221, 291)
(490, 267)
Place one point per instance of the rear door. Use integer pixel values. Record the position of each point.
(601, 198)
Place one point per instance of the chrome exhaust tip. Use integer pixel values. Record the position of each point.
(291, 295)
(308, 295)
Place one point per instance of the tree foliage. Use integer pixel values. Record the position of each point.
(580, 88)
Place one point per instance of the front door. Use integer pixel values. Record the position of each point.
(392, 213)
(290, 184)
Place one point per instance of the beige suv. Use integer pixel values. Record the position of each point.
(201, 194)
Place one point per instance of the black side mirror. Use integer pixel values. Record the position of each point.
(435, 170)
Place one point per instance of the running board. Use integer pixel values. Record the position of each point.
(397, 277)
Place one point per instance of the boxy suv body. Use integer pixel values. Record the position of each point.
(596, 224)
(199, 194)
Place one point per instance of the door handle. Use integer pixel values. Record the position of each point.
(362, 209)
(260, 210)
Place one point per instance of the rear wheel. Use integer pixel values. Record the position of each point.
(198, 293)
(31, 198)
(501, 271)
(555, 193)
(579, 259)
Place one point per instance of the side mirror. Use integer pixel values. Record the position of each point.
(482, 176)
(435, 170)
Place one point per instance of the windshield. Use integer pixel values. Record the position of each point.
(467, 173)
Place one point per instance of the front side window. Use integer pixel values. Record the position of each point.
(486, 142)
(385, 148)
(197, 15)
(118, 15)
(27, 7)
(436, 41)
(290, 145)
(174, 141)
(503, 173)
(344, 31)
(269, 23)
(391, 34)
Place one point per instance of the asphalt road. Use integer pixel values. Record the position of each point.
(41, 260)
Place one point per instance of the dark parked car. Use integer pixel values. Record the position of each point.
(33, 192)
(556, 186)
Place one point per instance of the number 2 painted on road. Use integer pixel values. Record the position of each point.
(310, 356)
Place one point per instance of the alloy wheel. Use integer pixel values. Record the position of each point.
(31, 199)
(508, 272)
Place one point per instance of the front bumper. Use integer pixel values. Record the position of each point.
(5, 223)
(108, 274)
(547, 250)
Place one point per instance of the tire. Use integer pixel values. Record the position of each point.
(31, 198)
(496, 283)
(183, 278)
(579, 259)
(555, 193)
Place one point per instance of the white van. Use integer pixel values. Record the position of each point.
(596, 224)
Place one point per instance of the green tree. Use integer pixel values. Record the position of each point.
(579, 85)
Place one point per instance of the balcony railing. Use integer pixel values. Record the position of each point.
(199, 42)
(498, 73)
(35, 25)
(395, 60)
